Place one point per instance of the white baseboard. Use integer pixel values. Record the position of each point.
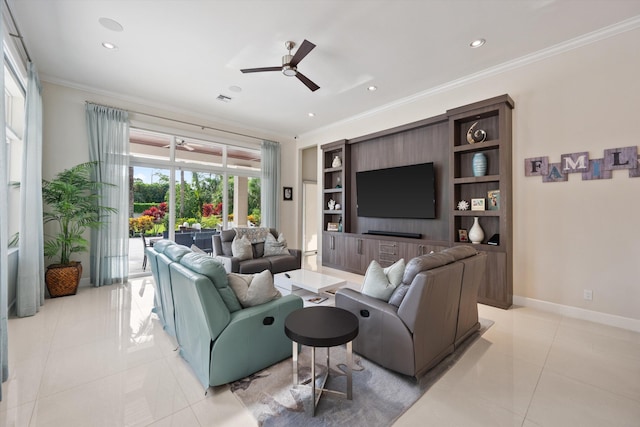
(579, 313)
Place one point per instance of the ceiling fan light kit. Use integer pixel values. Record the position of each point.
(290, 64)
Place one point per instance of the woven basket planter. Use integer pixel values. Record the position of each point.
(63, 280)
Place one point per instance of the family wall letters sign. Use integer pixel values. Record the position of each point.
(614, 158)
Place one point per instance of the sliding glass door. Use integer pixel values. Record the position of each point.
(185, 189)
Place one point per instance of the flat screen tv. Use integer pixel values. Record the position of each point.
(400, 192)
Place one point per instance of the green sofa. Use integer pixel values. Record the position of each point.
(221, 341)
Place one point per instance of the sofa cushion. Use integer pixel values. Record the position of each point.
(425, 262)
(197, 250)
(273, 246)
(380, 282)
(241, 248)
(160, 245)
(253, 289)
(254, 265)
(460, 252)
(226, 239)
(254, 234)
(176, 252)
(214, 270)
(398, 294)
(258, 250)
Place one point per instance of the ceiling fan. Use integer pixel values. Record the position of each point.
(290, 63)
(182, 144)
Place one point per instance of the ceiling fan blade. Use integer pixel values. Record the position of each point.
(259, 70)
(188, 147)
(311, 85)
(302, 51)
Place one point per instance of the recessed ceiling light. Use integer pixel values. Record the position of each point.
(477, 43)
(110, 24)
(235, 89)
(372, 88)
(109, 46)
(311, 114)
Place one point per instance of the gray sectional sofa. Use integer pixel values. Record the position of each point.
(431, 313)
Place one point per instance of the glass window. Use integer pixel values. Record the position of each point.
(14, 99)
(198, 152)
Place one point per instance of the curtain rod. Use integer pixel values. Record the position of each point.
(18, 35)
(203, 127)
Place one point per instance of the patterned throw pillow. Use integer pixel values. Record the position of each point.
(253, 289)
(241, 248)
(380, 282)
(275, 247)
(253, 234)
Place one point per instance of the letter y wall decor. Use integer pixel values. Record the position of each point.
(614, 158)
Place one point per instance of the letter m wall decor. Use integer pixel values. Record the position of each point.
(575, 162)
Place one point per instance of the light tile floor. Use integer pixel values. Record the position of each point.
(100, 358)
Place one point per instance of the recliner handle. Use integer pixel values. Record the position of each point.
(268, 320)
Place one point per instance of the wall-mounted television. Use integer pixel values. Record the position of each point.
(399, 192)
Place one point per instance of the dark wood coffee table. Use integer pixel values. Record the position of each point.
(322, 327)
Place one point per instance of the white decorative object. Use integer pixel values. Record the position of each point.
(463, 205)
(337, 162)
(185, 224)
(331, 204)
(337, 207)
(476, 234)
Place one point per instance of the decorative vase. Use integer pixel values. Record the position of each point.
(476, 234)
(336, 162)
(479, 164)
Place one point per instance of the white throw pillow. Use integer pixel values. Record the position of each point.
(241, 248)
(380, 282)
(253, 289)
(275, 247)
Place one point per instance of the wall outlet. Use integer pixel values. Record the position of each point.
(588, 294)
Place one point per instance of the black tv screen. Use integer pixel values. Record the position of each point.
(400, 192)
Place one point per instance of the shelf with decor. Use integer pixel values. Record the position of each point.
(335, 186)
(480, 139)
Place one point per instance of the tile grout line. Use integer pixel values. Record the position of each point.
(542, 371)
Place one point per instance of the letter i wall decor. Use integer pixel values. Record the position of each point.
(614, 158)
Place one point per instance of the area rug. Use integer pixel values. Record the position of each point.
(379, 395)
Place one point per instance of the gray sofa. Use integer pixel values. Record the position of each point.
(276, 264)
(431, 313)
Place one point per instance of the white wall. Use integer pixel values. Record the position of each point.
(567, 236)
(65, 142)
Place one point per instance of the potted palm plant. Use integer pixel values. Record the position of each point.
(74, 206)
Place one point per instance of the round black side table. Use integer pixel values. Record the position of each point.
(322, 327)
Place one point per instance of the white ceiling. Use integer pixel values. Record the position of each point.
(180, 55)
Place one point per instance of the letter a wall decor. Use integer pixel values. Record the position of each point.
(590, 169)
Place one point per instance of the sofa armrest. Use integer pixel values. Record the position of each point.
(298, 254)
(383, 337)
(231, 264)
(253, 340)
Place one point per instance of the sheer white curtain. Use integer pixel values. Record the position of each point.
(270, 184)
(109, 146)
(4, 231)
(30, 288)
